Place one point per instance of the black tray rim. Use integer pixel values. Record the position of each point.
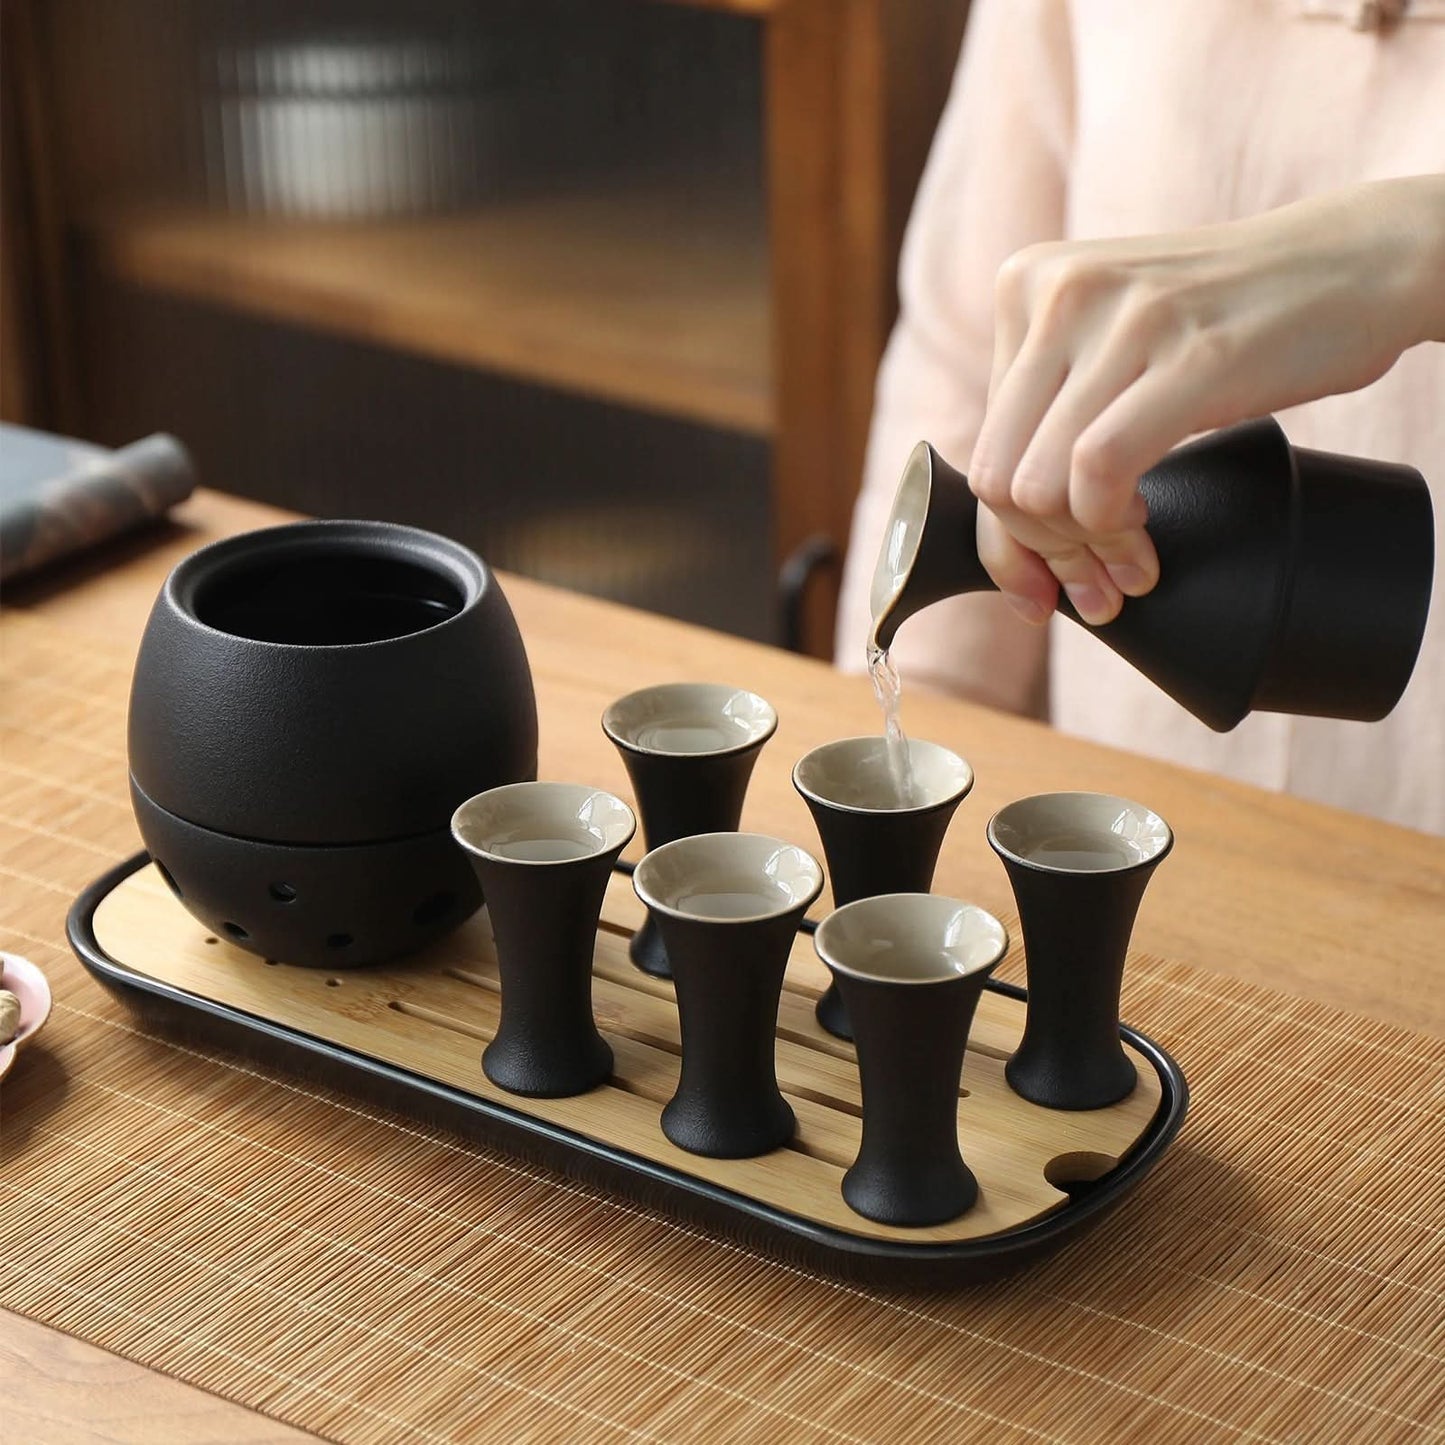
(870, 1260)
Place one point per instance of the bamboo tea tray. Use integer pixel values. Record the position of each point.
(411, 1038)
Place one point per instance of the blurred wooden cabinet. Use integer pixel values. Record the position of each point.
(487, 252)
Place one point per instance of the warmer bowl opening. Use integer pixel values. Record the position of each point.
(327, 599)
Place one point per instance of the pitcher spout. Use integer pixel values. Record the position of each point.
(929, 548)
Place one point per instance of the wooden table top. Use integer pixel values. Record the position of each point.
(1316, 903)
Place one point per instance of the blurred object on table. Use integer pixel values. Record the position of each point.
(58, 496)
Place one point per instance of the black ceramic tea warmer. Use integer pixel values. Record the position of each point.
(1290, 580)
(310, 704)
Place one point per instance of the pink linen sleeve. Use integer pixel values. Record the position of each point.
(995, 182)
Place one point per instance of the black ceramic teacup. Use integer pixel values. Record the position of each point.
(911, 967)
(544, 852)
(880, 834)
(1078, 864)
(728, 906)
(689, 749)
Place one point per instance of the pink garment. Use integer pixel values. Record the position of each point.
(1104, 118)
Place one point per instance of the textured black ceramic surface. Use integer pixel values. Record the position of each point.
(325, 687)
(341, 907)
(1290, 581)
(329, 682)
(1076, 929)
(729, 978)
(883, 1263)
(872, 852)
(679, 796)
(911, 1039)
(544, 920)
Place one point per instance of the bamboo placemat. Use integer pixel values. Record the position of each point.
(1281, 1276)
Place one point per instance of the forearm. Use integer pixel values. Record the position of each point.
(1417, 204)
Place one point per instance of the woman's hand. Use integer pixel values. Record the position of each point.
(1109, 353)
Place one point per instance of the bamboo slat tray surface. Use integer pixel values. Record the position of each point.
(415, 1033)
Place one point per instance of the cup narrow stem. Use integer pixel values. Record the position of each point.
(678, 796)
(869, 853)
(1076, 930)
(729, 977)
(910, 1039)
(544, 921)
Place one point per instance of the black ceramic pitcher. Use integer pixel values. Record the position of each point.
(1289, 580)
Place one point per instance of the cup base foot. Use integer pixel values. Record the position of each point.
(575, 1071)
(890, 1197)
(1071, 1084)
(832, 1013)
(647, 951)
(704, 1133)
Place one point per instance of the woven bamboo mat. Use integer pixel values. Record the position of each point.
(1281, 1276)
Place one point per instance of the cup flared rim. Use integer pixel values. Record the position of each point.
(648, 864)
(1162, 834)
(950, 800)
(721, 690)
(618, 832)
(997, 937)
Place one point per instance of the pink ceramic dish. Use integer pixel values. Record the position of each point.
(28, 984)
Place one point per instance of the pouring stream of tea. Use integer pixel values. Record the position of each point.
(894, 561)
(889, 691)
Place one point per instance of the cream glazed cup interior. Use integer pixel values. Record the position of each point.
(543, 822)
(910, 938)
(901, 536)
(855, 773)
(689, 718)
(728, 877)
(1080, 833)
